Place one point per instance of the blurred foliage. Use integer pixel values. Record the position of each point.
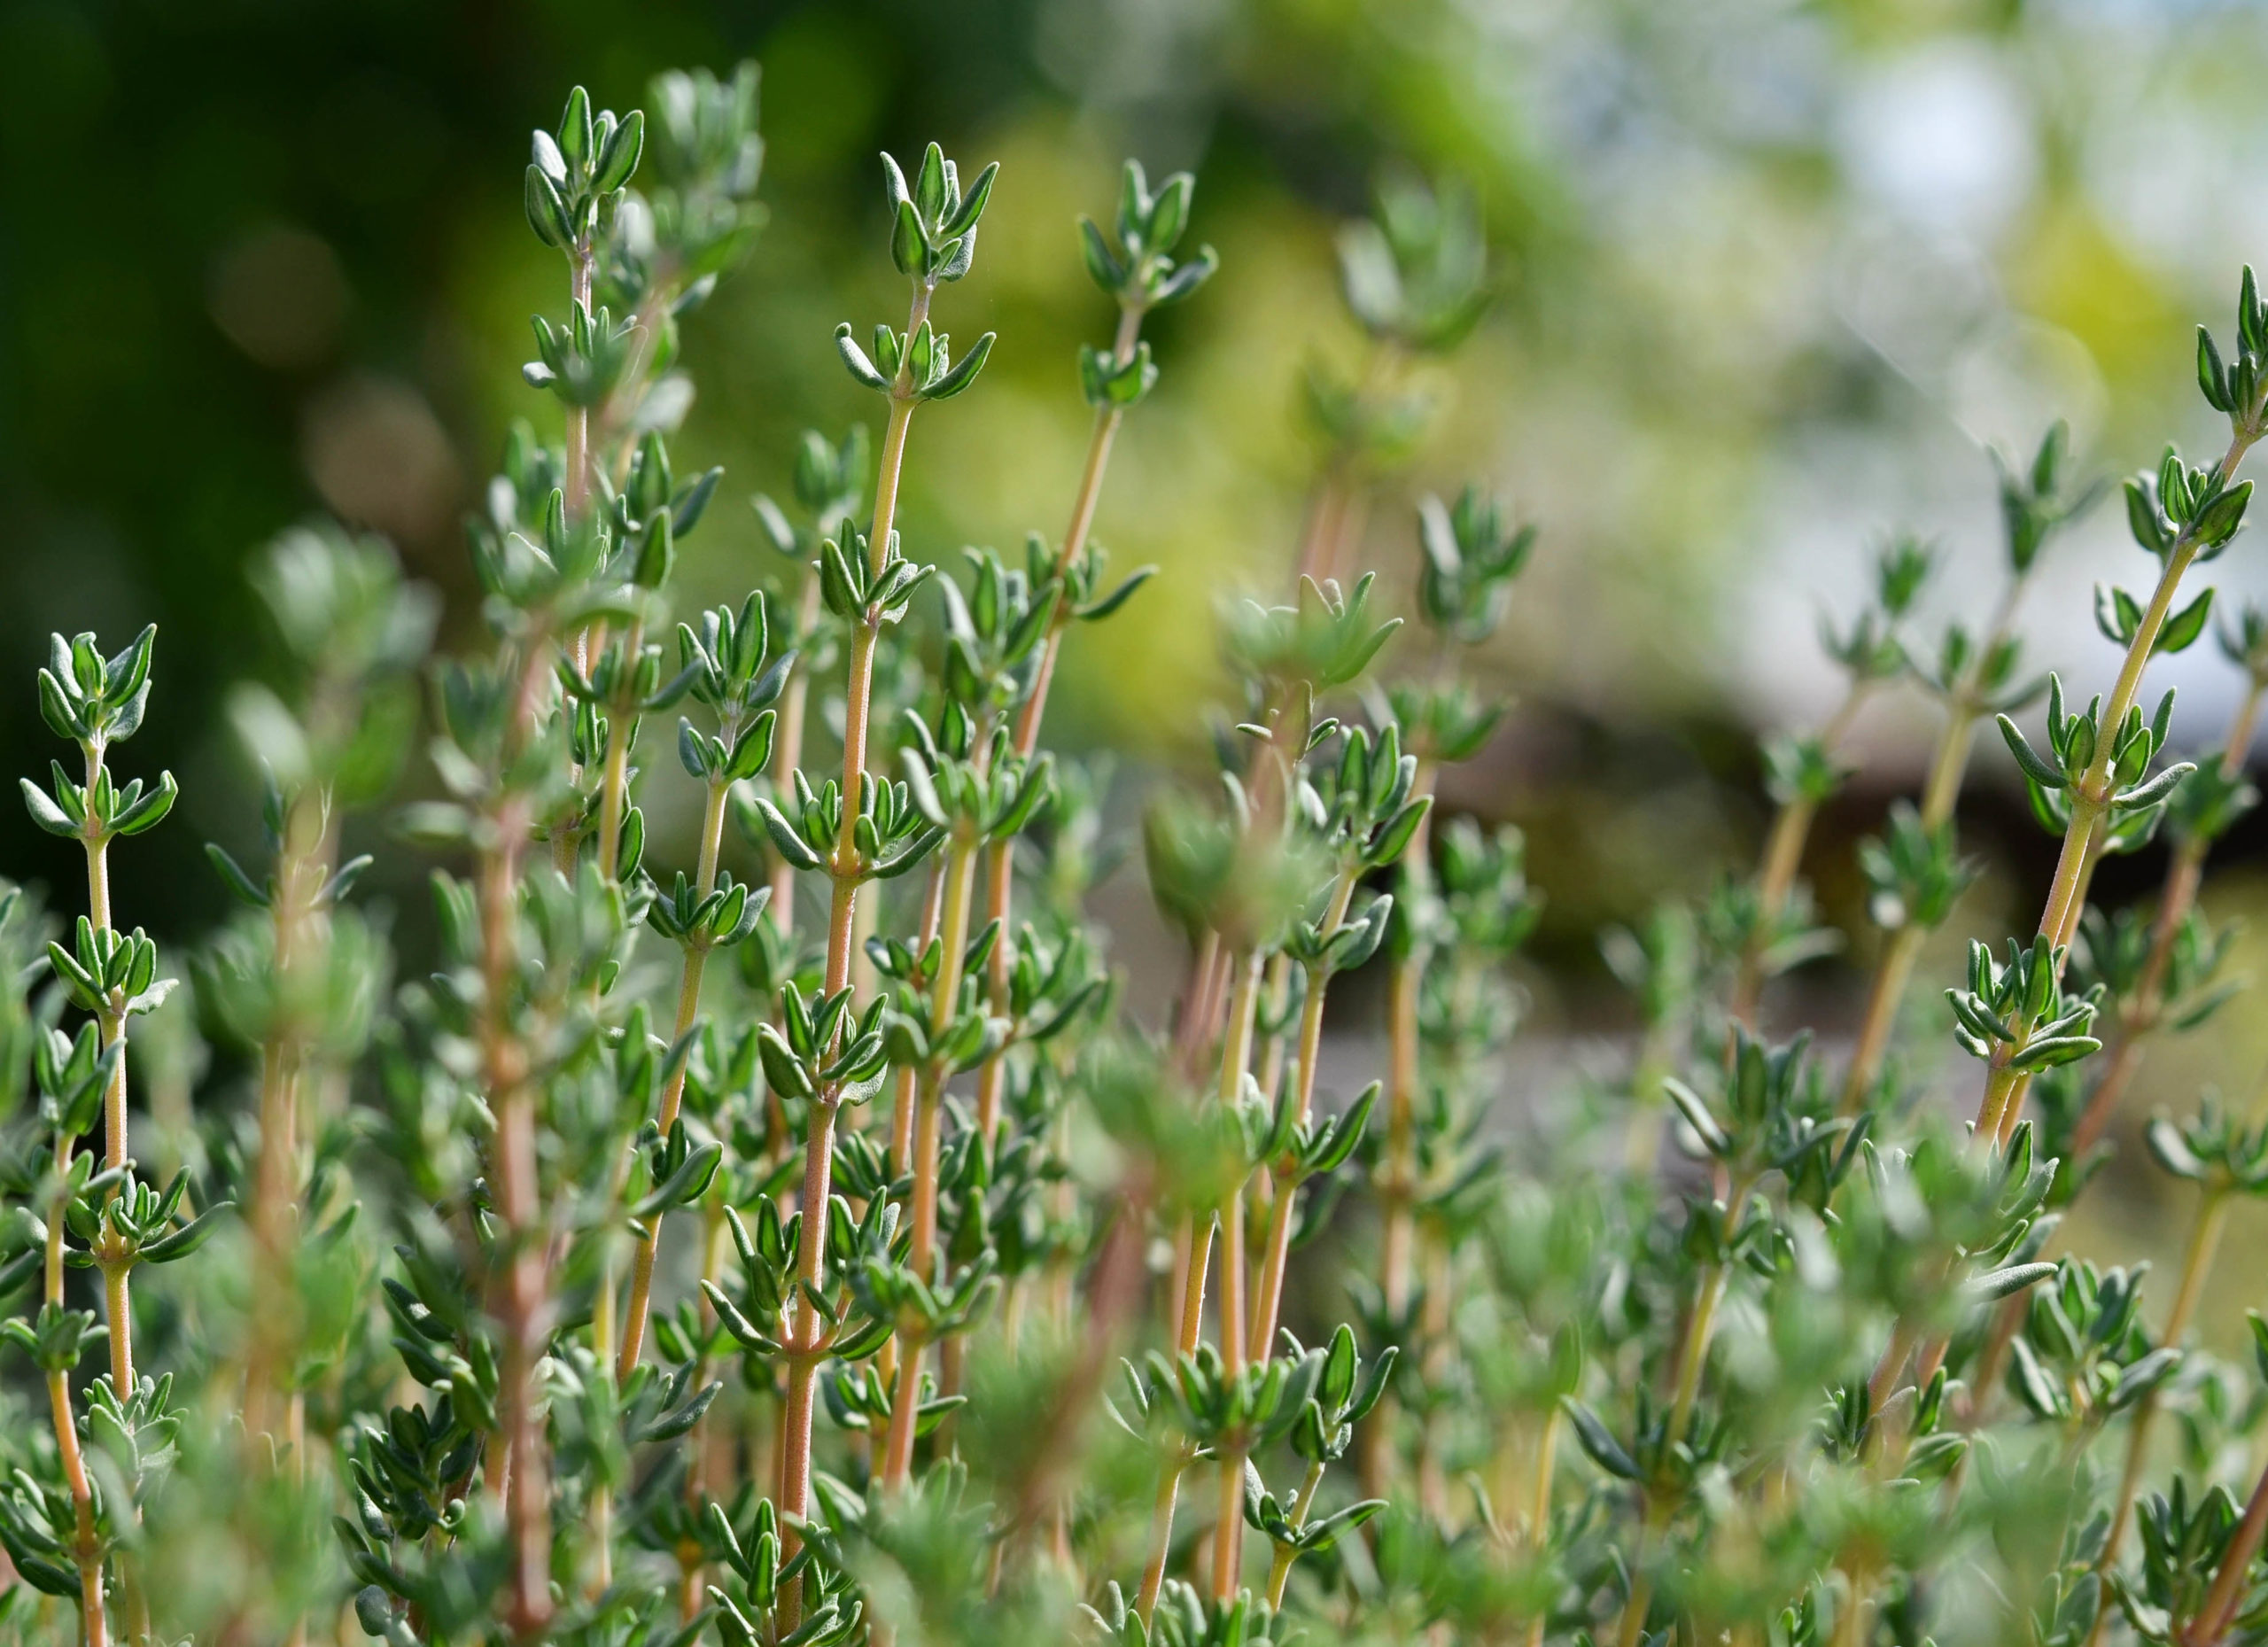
(1769, 274)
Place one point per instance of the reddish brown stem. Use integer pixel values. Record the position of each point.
(688, 1008)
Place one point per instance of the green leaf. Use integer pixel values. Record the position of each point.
(2142, 519)
(2048, 1052)
(785, 838)
(149, 811)
(963, 374)
(855, 360)
(234, 878)
(44, 1575)
(45, 812)
(2158, 789)
(1391, 841)
(908, 246)
(619, 159)
(2172, 1151)
(2223, 515)
(2212, 376)
(2007, 1282)
(1694, 1109)
(188, 1237)
(1102, 267)
(2038, 770)
(1095, 611)
(689, 1183)
(2031, 1383)
(1598, 1442)
(547, 212)
(971, 203)
(2181, 630)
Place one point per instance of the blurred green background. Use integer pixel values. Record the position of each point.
(1773, 276)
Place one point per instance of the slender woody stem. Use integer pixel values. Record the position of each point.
(2185, 874)
(819, 1147)
(1268, 1295)
(521, 1302)
(117, 1288)
(905, 1401)
(1000, 864)
(1784, 856)
(688, 1008)
(614, 796)
(1895, 971)
(2218, 1611)
(788, 749)
(2197, 1263)
(2005, 1086)
(1236, 1052)
(582, 267)
(1279, 1570)
(303, 868)
(1154, 1571)
(86, 1547)
(1397, 1188)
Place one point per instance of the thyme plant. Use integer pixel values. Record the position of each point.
(802, 1243)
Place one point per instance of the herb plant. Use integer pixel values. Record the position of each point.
(804, 1245)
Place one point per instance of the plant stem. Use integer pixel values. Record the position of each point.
(698, 1481)
(2184, 874)
(1693, 1352)
(960, 873)
(303, 868)
(521, 1305)
(1279, 1570)
(905, 1099)
(87, 1549)
(1083, 503)
(2218, 1610)
(1895, 971)
(819, 1147)
(1228, 1526)
(1268, 1295)
(1340, 498)
(906, 1394)
(999, 908)
(622, 714)
(1000, 864)
(93, 1627)
(1162, 1507)
(1236, 1052)
(688, 1008)
(1784, 856)
(117, 1288)
(1892, 974)
(582, 267)
(788, 749)
(1634, 1608)
(2004, 1087)
(1227, 1532)
(805, 1349)
(2197, 1263)
(1397, 1188)
(1539, 1513)
(1271, 1050)
(1692, 1357)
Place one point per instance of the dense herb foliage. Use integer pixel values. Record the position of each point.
(826, 1257)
